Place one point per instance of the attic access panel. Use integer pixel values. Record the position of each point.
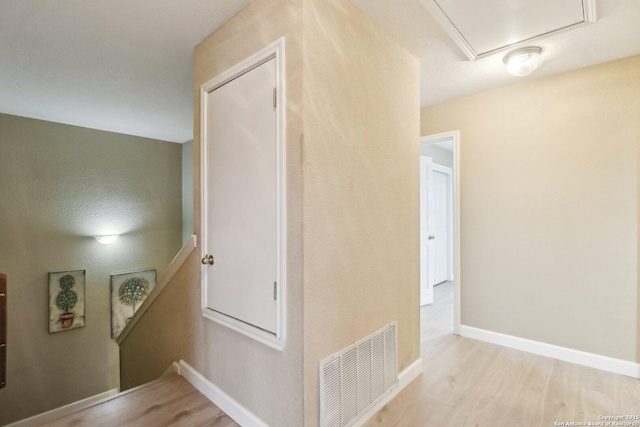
(485, 27)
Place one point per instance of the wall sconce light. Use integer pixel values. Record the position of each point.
(522, 62)
(105, 240)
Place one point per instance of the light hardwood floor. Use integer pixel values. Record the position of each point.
(168, 401)
(471, 383)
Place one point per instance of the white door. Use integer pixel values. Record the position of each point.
(439, 189)
(426, 287)
(241, 198)
(436, 222)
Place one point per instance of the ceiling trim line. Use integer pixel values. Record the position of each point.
(589, 17)
(528, 41)
(438, 14)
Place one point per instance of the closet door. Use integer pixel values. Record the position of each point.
(243, 236)
(241, 199)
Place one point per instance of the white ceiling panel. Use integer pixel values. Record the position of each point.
(447, 73)
(485, 27)
(489, 25)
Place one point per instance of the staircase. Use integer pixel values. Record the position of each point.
(168, 401)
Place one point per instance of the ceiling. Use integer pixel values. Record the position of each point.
(126, 66)
(484, 27)
(447, 73)
(118, 65)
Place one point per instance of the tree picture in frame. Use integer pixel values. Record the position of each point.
(66, 300)
(128, 291)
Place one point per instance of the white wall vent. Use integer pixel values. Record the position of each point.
(357, 377)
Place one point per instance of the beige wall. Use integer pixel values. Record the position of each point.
(440, 155)
(245, 369)
(358, 163)
(361, 176)
(60, 185)
(167, 332)
(549, 207)
(266, 381)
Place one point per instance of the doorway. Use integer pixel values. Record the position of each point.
(440, 228)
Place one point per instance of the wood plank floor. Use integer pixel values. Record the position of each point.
(168, 401)
(471, 383)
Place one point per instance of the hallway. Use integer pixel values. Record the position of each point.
(472, 383)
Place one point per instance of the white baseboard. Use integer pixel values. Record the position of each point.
(604, 363)
(246, 418)
(230, 406)
(174, 368)
(405, 377)
(63, 410)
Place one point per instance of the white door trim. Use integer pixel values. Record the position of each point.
(455, 137)
(274, 50)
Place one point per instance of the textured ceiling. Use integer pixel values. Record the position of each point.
(118, 65)
(126, 66)
(446, 73)
(489, 25)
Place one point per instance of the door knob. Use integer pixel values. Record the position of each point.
(430, 238)
(208, 259)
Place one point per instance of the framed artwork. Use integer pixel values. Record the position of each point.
(66, 300)
(128, 291)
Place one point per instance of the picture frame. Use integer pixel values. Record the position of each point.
(128, 291)
(66, 300)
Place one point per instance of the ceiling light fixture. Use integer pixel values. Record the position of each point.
(524, 61)
(105, 240)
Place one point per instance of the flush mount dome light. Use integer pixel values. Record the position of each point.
(522, 62)
(105, 240)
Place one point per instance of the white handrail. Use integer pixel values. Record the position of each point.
(179, 259)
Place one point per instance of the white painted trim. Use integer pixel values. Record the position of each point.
(174, 368)
(243, 328)
(62, 411)
(274, 50)
(222, 400)
(442, 19)
(173, 268)
(405, 377)
(455, 137)
(589, 8)
(410, 373)
(604, 363)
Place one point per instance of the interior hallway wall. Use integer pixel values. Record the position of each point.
(549, 207)
(361, 187)
(353, 146)
(266, 381)
(60, 185)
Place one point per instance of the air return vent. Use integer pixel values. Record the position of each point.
(355, 378)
